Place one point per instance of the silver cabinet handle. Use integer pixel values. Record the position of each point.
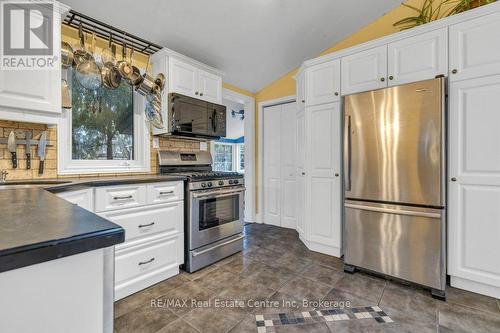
(195, 253)
(347, 153)
(146, 225)
(166, 192)
(123, 198)
(146, 262)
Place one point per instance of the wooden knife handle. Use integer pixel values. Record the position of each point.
(40, 167)
(28, 161)
(14, 160)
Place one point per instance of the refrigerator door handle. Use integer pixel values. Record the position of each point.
(347, 153)
(394, 211)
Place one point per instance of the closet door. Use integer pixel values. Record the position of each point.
(288, 166)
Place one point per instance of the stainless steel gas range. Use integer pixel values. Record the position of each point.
(213, 206)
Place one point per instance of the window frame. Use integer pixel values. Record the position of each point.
(66, 165)
(236, 147)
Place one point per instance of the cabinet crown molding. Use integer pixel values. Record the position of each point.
(442, 23)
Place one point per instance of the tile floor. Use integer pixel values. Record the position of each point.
(277, 271)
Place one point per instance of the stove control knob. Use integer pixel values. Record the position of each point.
(203, 185)
(221, 182)
(236, 181)
(209, 184)
(230, 181)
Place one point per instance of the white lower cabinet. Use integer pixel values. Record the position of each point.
(474, 185)
(153, 218)
(83, 198)
(150, 262)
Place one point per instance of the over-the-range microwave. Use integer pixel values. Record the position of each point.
(188, 116)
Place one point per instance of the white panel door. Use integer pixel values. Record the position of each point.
(324, 216)
(184, 78)
(301, 168)
(323, 83)
(365, 70)
(210, 87)
(475, 48)
(288, 166)
(474, 185)
(418, 58)
(272, 165)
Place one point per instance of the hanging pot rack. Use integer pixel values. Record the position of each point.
(103, 30)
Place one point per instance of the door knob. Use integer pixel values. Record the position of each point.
(382, 79)
(303, 101)
(201, 94)
(336, 175)
(453, 179)
(196, 93)
(303, 173)
(455, 71)
(336, 93)
(391, 77)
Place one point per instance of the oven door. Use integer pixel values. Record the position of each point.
(215, 215)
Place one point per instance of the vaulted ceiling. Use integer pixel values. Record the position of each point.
(253, 42)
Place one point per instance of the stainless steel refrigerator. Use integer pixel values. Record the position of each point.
(395, 193)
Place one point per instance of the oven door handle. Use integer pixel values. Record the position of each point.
(217, 193)
(197, 253)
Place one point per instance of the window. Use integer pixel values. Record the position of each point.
(229, 156)
(104, 132)
(107, 131)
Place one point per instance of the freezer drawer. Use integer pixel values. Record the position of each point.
(399, 241)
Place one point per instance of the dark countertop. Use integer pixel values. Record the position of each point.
(37, 226)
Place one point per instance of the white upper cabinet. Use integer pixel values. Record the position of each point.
(365, 70)
(418, 58)
(189, 80)
(475, 48)
(33, 95)
(183, 78)
(323, 83)
(301, 90)
(209, 86)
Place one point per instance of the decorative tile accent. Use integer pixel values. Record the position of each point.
(266, 323)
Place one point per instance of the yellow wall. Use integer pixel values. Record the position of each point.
(285, 86)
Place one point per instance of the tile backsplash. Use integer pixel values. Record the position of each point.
(50, 167)
(21, 173)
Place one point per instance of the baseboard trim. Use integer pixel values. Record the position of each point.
(476, 287)
(321, 248)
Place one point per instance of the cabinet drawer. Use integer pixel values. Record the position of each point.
(149, 220)
(141, 266)
(119, 197)
(165, 192)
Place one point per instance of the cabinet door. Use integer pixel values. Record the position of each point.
(364, 71)
(301, 170)
(323, 83)
(323, 179)
(474, 48)
(474, 186)
(183, 78)
(35, 91)
(301, 89)
(82, 198)
(418, 58)
(210, 87)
